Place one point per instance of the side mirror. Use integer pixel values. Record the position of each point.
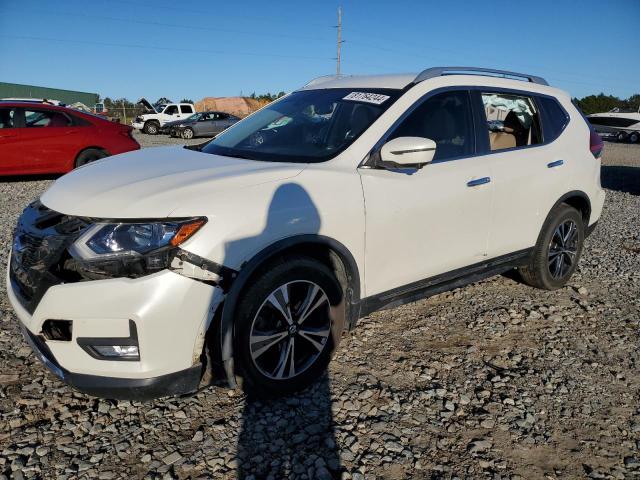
(408, 151)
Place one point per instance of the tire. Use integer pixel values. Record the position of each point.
(557, 252)
(187, 133)
(634, 137)
(90, 155)
(151, 127)
(621, 136)
(291, 358)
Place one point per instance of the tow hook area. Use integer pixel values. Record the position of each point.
(193, 266)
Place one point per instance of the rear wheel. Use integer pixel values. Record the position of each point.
(634, 137)
(90, 155)
(151, 127)
(555, 256)
(621, 136)
(187, 133)
(289, 322)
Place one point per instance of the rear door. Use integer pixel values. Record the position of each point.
(50, 140)
(529, 170)
(206, 124)
(11, 152)
(185, 111)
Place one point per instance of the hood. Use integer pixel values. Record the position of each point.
(147, 105)
(154, 182)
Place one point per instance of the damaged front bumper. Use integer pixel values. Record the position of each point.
(165, 315)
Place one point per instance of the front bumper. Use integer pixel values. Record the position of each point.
(177, 383)
(137, 125)
(171, 313)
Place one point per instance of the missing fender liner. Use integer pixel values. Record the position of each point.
(207, 271)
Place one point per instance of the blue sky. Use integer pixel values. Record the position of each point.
(133, 48)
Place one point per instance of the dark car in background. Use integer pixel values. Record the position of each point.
(40, 138)
(201, 124)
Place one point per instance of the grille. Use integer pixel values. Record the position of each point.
(40, 241)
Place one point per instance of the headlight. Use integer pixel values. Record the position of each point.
(131, 249)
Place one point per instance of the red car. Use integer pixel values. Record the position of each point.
(42, 138)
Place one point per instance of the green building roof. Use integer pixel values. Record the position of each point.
(14, 90)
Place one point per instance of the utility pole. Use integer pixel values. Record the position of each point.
(339, 39)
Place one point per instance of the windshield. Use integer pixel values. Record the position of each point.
(305, 126)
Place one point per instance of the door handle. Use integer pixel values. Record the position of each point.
(557, 163)
(478, 181)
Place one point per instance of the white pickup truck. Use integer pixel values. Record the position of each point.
(157, 115)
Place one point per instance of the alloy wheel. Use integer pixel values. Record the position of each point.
(563, 249)
(290, 330)
(187, 134)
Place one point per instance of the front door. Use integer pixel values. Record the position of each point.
(425, 222)
(11, 151)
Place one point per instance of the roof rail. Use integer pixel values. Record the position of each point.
(440, 71)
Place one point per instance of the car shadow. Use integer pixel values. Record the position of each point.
(29, 178)
(621, 178)
(288, 436)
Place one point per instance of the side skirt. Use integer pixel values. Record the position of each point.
(443, 282)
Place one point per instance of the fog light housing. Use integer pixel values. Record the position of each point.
(117, 351)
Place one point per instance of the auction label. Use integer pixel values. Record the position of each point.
(375, 98)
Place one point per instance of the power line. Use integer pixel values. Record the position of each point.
(181, 26)
(153, 47)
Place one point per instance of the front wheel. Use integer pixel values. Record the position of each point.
(151, 128)
(187, 133)
(556, 254)
(289, 322)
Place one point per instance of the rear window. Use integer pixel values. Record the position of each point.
(556, 118)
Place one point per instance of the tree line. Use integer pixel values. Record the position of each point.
(604, 103)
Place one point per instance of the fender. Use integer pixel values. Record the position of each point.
(248, 268)
(575, 193)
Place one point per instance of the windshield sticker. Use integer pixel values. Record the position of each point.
(375, 98)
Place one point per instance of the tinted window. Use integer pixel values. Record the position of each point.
(444, 118)
(45, 118)
(512, 120)
(556, 118)
(171, 110)
(186, 108)
(7, 117)
(222, 116)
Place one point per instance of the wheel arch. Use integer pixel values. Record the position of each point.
(84, 149)
(324, 249)
(578, 200)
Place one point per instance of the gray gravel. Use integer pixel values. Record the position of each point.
(495, 380)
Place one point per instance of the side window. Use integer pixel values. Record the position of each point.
(45, 118)
(186, 108)
(223, 116)
(556, 118)
(171, 110)
(512, 120)
(7, 117)
(446, 119)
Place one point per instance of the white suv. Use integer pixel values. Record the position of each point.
(158, 271)
(158, 115)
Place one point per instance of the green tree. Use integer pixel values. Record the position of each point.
(186, 100)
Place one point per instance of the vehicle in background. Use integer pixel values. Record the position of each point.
(37, 138)
(201, 124)
(617, 124)
(158, 115)
(35, 100)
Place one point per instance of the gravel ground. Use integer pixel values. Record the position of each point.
(495, 380)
